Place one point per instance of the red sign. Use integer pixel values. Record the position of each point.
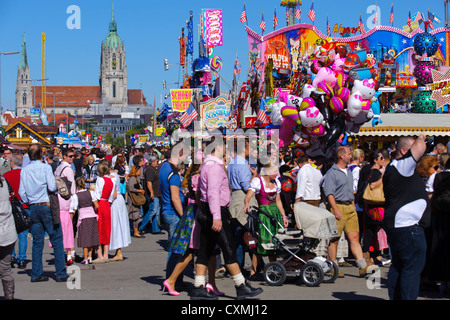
(250, 122)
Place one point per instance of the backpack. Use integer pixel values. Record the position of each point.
(63, 185)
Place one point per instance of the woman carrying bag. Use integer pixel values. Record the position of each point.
(135, 200)
(374, 208)
(8, 238)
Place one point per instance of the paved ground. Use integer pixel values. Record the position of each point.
(140, 277)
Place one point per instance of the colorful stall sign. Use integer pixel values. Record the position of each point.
(378, 42)
(214, 28)
(160, 131)
(181, 98)
(216, 112)
(440, 87)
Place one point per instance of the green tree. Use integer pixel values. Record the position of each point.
(119, 142)
(108, 138)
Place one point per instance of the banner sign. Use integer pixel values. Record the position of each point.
(214, 28)
(181, 98)
(440, 87)
(216, 112)
(160, 131)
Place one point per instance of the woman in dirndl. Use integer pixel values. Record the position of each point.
(266, 189)
(105, 193)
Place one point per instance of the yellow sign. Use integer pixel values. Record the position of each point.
(181, 99)
(160, 131)
(143, 138)
(414, 26)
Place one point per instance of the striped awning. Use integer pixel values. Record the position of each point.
(405, 124)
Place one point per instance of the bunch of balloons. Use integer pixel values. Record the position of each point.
(337, 102)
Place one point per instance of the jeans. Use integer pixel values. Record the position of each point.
(172, 219)
(408, 253)
(23, 244)
(42, 222)
(152, 215)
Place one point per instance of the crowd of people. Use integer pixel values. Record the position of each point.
(389, 206)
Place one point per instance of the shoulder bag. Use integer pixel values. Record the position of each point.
(138, 199)
(374, 196)
(21, 217)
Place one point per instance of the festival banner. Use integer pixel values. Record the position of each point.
(213, 28)
(181, 98)
(216, 112)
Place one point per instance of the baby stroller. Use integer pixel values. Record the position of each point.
(294, 248)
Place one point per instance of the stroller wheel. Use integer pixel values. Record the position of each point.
(274, 273)
(331, 275)
(311, 274)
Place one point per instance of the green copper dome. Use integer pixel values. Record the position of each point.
(113, 40)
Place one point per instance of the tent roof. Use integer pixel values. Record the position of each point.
(407, 124)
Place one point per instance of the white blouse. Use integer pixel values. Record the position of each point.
(255, 185)
(74, 200)
(99, 189)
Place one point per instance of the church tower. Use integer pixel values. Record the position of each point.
(24, 93)
(113, 68)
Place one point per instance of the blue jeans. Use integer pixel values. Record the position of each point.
(42, 222)
(172, 219)
(408, 253)
(152, 215)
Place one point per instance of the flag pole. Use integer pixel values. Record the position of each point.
(246, 16)
(392, 11)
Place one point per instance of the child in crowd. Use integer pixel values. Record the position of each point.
(84, 201)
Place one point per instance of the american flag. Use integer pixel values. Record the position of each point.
(188, 116)
(262, 116)
(361, 25)
(262, 25)
(409, 22)
(391, 18)
(275, 19)
(298, 13)
(328, 28)
(287, 16)
(244, 15)
(375, 18)
(237, 67)
(311, 13)
(430, 20)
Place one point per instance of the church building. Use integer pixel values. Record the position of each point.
(112, 91)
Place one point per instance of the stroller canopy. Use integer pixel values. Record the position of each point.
(315, 222)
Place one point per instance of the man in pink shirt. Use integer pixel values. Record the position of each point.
(214, 218)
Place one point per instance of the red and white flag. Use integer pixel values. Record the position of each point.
(244, 15)
(188, 116)
(361, 25)
(262, 24)
(275, 19)
(298, 13)
(312, 13)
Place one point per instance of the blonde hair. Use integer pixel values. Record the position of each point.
(103, 168)
(357, 153)
(269, 169)
(87, 159)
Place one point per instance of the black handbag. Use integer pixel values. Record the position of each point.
(21, 218)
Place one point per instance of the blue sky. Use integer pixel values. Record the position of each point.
(150, 30)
